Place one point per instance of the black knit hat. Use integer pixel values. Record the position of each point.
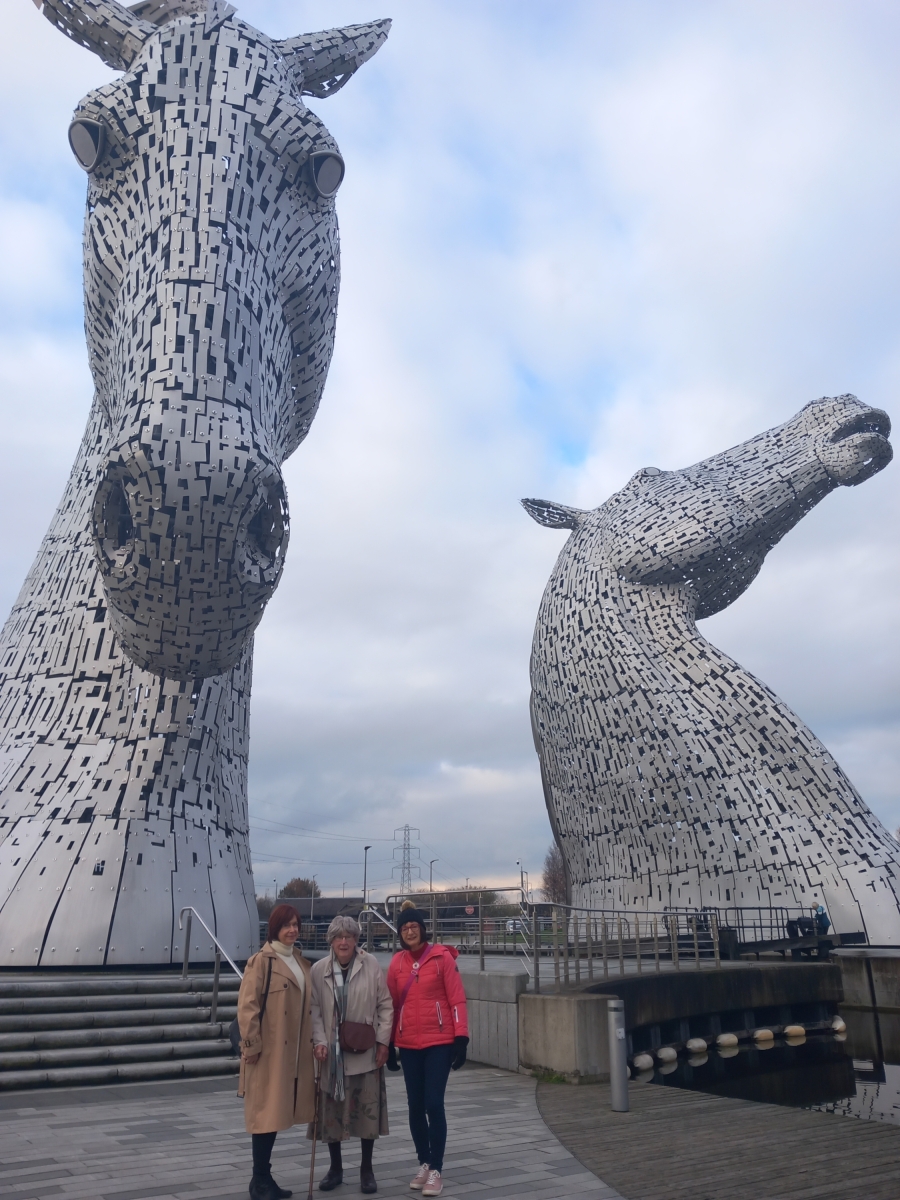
(413, 916)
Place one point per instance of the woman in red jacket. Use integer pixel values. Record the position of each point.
(431, 1032)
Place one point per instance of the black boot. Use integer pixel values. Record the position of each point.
(262, 1185)
(367, 1184)
(267, 1189)
(335, 1176)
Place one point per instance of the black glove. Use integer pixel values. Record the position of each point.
(392, 1064)
(459, 1052)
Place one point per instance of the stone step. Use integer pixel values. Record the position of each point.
(78, 1030)
(117, 1073)
(113, 985)
(89, 1056)
(30, 1023)
(128, 1035)
(34, 1005)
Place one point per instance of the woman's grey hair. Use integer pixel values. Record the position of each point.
(340, 926)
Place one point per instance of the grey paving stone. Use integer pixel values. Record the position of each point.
(34, 1193)
(152, 1144)
(142, 1192)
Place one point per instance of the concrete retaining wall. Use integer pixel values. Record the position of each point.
(492, 1003)
(565, 1034)
(652, 999)
(871, 977)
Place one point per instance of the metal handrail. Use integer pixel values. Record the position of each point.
(220, 951)
(373, 912)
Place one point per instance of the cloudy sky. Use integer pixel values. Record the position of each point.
(579, 237)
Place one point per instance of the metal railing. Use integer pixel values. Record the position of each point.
(221, 953)
(585, 944)
(474, 920)
(368, 913)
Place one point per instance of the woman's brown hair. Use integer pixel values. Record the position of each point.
(281, 915)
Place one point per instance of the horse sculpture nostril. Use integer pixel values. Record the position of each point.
(266, 530)
(267, 536)
(113, 523)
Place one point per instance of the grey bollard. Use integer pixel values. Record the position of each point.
(618, 1056)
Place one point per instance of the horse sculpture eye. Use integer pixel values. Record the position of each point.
(327, 171)
(88, 141)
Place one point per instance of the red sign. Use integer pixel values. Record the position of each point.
(470, 910)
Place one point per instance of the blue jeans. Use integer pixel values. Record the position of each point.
(425, 1073)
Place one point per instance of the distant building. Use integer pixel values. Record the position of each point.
(320, 910)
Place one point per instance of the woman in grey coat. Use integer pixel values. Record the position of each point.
(349, 986)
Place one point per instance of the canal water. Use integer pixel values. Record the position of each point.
(856, 1074)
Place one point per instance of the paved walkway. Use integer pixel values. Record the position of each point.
(186, 1141)
(681, 1145)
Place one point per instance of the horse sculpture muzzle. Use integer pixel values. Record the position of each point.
(189, 557)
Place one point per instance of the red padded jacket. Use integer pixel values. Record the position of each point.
(434, 1011)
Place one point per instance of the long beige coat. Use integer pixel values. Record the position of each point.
(368, 1001)
(278, 1089)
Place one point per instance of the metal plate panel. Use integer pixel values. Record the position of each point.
(80, 925)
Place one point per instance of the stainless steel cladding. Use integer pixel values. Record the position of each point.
(673, 778)
(211, 267)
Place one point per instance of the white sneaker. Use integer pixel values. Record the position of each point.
(433, 1185)
(420, 1178)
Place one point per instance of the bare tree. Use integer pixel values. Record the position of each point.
(554, 878)
(296, 889)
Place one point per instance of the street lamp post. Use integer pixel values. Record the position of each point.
(366, 850)
(431, 874)
(275, 886)
(312, 898)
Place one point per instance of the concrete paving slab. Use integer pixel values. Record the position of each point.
(186, 1141)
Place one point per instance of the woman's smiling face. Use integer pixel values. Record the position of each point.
(411, 935)
(289, 933)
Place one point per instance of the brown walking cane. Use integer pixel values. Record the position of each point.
(312, 1161)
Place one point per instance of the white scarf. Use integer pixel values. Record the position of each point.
(341, 986)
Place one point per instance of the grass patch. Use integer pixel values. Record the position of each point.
(549, 1077)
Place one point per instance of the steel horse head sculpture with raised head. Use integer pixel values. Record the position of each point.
(673, 778)
(211, 271)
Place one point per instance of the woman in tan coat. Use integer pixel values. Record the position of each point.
(277, 1073)
(349, 991)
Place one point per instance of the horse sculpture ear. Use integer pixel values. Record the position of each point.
(554, 516)
(106, 27)
(323, 62)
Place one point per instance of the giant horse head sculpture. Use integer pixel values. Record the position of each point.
(672, 777)
(211, 269)
(705, 530)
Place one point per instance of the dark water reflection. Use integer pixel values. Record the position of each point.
(854, 1076)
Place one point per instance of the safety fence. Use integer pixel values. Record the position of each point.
(569, 944)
